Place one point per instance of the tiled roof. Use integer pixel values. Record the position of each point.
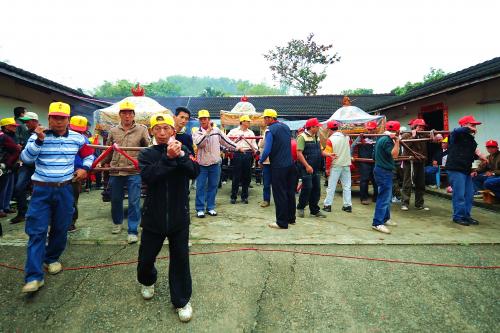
(290, 107)
(32, 79)
(468, 76)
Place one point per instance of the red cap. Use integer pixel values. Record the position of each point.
(371, 125)
(334, 125)
(418, 122)
(468, 120)
(392, 126)
(492, 143)
(312, 122)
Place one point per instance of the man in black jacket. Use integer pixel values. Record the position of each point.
(461, 154)
(166, 168)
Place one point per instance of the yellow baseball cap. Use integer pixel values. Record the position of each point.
(59, 109)
(127, 106)
(8, 121)
(160, 119)
(245, 118)
(78, 123)
(203, 114)
(270, 113)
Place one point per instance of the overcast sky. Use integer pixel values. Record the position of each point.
(382, 43)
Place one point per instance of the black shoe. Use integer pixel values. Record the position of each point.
(233, 201)
(347, 209)
(472, 221)
(462, 222)
(72, 228)
(245, 201)
(292, 222)
(327, 208)
(17, 219)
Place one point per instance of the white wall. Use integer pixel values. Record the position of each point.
(461, 103)
(13, 94)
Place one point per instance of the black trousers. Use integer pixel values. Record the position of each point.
(310, 192)
(242, 172)
(366, 175)
(179, 274)
(283, 186)
(419, 181)
(77, 186)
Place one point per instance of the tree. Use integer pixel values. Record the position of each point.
(212, 92)
(301, 64)
(120, 88)
(357, 91)
(433, 75)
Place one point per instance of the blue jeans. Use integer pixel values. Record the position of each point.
(206, 187)
(266, 175)
(430, 174)
(49, 206)
(462, 195)
(22, 183)
(344, 173)
(478, 182)
(134, 200)
(493, 184)
(383, 178)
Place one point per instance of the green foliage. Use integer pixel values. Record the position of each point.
(357, 91)
(212, 92)
(301, 64)
(178, 85)
(433, 75)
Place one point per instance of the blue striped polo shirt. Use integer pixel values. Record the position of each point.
(54, 158)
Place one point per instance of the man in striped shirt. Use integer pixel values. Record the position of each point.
(53, 152)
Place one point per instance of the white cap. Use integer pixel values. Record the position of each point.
(29, 116)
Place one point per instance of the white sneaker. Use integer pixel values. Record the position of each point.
(185, 313)
(404, 207)
(382, 228)
(117, 228)
(147, 292)
(32, 286)
(131, 239)
(390, 223)
(423, 208)
(212, 212)
(395, 200)
(200, 214)
(54, 268)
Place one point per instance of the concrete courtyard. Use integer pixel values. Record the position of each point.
(307, 289)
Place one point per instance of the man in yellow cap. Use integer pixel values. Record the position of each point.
(278, 147)
(438, 161)
(9, 153)
(243, 159)
(126, 134)
(166, 169)
(79, 125)
(53, 152)
(8, 127)
(209, 140)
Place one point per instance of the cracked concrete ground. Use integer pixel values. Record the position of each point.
(264, 291)
(271, 291)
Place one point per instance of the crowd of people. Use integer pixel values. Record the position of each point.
(55, 161)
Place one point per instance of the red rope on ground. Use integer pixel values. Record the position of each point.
(393, 261)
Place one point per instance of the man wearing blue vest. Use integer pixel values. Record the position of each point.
(310, 157)
(277, 147)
